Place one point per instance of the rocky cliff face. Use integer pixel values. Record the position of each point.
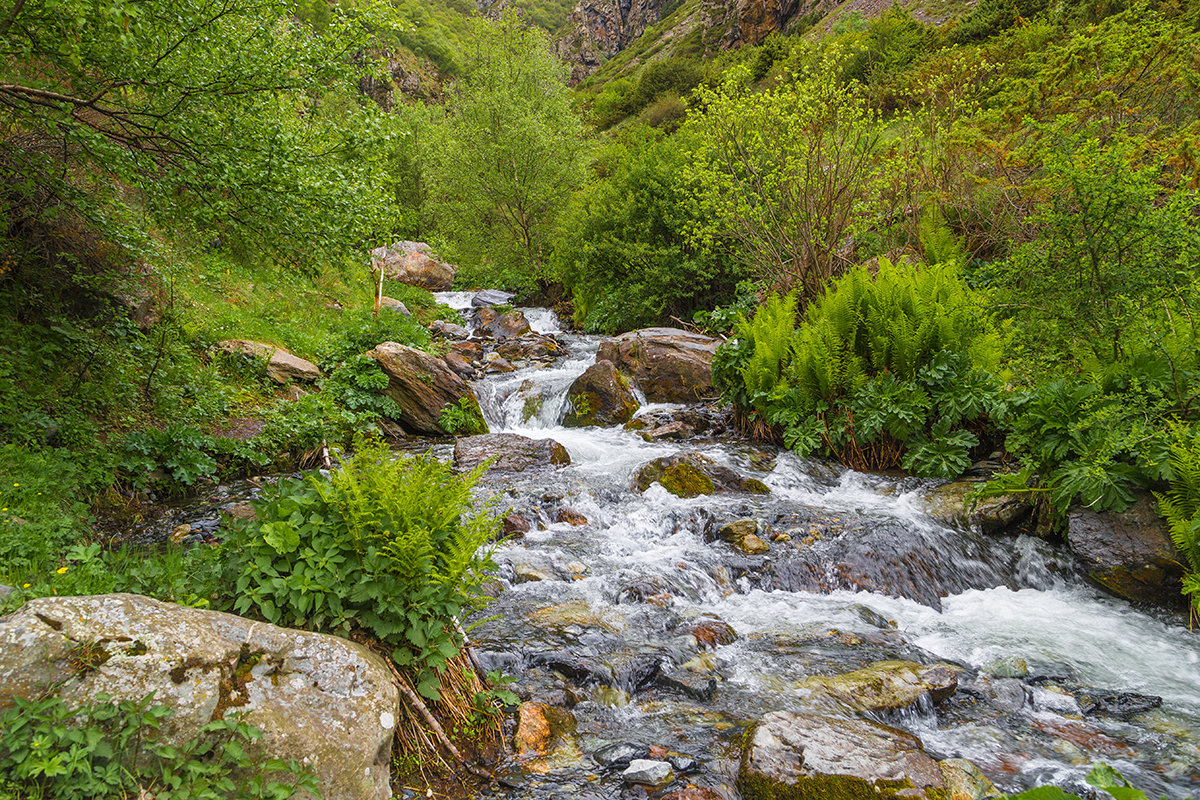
(599, 29)
(733, 23)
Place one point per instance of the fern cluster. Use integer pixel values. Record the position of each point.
(1181, 507)
(887, 369)
(382, 546)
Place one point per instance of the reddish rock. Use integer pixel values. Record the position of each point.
(515, 526)
(423, 385)
(512, 453)
(570, 516)
(413, 263)
(600, 396)
(711, 633)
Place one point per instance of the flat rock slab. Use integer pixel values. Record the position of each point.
(513, 453)
(817, 757)
(282, 366)
(324, 701)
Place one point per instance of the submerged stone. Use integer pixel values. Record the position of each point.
(618, 755)
(648, 773)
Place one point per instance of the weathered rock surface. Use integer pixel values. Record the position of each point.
(808, 756)
(669, 365)
(326, 702)
(448, 330)
(743, 535)
(491, 297)
(531, 346)
(422, 385)
(282, 366)
(413, 263)
(544, 738)
(647, 772)
(949, 503)
(392, 304)
(734, 23)
(599, 29)
(883, 686)
(619, 754)
(513, 453)
(508, 325)
(965, 781)
(691, 474)
(600, 397)
(1129, 554)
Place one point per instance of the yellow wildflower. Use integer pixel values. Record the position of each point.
(27, 586)
(62, 570)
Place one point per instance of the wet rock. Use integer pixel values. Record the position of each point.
(1011, 667)
(423, 386)
(1049, 672)
(619, 754)
(494, 363)
(1121, 705)
(491, 297)
(570, 516)
(949, 503)
(319, 699)
(1129, 554)
(873, 617)
(647, 773)
(1006, 695)
(460, 365)
(600, 396)
(282, 366)
(515, 526)
(634, 672)
(395, 306)
(689, 474)
(711, 633)
(572, 613)
(540, 727)
(965, 781)
(669, 365)
(1083, 735)
(508, 325)
(798, 755)
(690, 684)
(743, 535)
(512, 453)
(413, 263)
(694, 793)
(448, 330)
(883, 686)
(672, 431)
(529, 347)
(684, 765)
(692, 420)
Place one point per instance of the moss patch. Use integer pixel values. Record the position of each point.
(684, 480)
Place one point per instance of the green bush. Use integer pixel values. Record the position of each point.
(362, 330)
(50, 750)
(885, 370)
(384, 546)
(1181, 507)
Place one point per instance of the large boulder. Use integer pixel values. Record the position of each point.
(1129, 554)
(690, 474)
(508, 325)
(951, 504)
(413, 263)
(491, 297)
(423, 386)
(326, 702)
(513, 453)
(669, 365)
(814, 757)
(282, 366)
(600, 396)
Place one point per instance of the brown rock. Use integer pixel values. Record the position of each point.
(282, 366)
(423, 385)
(508, 325)
(600, 396)
(539, 726)
(515, 526)
(669, 365)
(513, 453)
(690, 474)
(413, 263)
(711, 633)
(1130, 553)
(693, 793)
(459, 364)
(951, 504)
(393, 305)
(570, 516)
(883, 686)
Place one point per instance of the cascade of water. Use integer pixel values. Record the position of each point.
(593, 610)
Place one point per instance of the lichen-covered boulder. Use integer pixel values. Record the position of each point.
(413, 263)
(882, 686)
(742, 534)
(600, 396)
(669, 365)
(326, 702)
(282, 366)
(424, 386)
(1129, 554)
(513, 453)
(951, 503)
(812, 757)
(691, 474)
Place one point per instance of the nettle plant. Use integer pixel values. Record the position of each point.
(886, 370)
(387, 547)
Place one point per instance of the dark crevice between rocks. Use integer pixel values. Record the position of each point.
(52, 623)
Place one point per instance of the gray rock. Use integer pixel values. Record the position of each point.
(512, 453)
(951, 504)
(392, 304)
(508, 325)
(282, 366)
(422, 386)
(318, 699)
(669, 365)
(448, 330)
(648, 773)
(813, 756)
(600, 396)
(1129, 554)
(491, 297)
(5, 591)
(619, 754)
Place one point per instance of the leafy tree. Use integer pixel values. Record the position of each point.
(211, 112)
(508, 152)
(623, 248)
(788, 174)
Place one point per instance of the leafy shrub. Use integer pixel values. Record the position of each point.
(170, 458)
(900, 361)
(383, 546)
(463, 418)
(1181, 507)
(362, 330)
(49, 749)
(359, 383)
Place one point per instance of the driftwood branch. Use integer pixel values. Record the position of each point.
(417, 704)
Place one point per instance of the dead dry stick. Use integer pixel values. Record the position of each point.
(480, 672)
(418, 705)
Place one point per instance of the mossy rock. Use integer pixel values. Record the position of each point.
(692, 474)
(684, 480)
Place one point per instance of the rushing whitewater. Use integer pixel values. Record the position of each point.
(592, 614)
